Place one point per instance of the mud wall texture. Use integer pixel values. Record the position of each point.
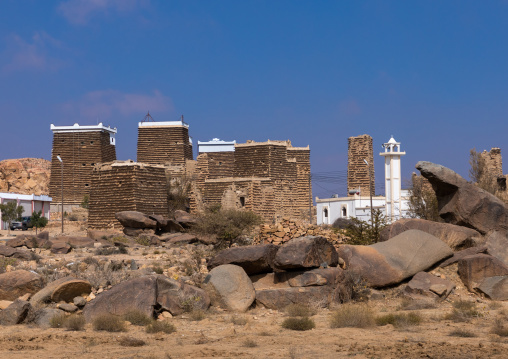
(165, 145)
(80, 152)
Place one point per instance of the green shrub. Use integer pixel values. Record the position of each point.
(109, 323)
(74, 322)
(298, 323)
(137, 317)
(364, 233)
(160, 327)
(462, 333)
(400, 320)
(352, 315)
(227, 225)
(299, 310)
(143, 240)
(57, 321)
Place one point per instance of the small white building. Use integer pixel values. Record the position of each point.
(394, 205)
(216, 145)
(30, 203)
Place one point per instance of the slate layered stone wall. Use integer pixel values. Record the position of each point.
(80, 152)
(360, 148)
(164, 145)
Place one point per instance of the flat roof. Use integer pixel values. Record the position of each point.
(77, 128)
(163, 124)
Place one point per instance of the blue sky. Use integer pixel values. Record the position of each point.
(431, 73)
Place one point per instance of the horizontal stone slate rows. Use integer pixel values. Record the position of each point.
(164, 145)
(120, 187)
(80, 151)
(360, 148)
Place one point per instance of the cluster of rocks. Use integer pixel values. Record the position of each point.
(25, 176)
(288, 229)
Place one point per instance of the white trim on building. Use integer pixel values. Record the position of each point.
(216, 145)
(162, 124)
(30, 203)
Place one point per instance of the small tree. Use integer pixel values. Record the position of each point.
(10, 212)
(38, 220)
(364, 233)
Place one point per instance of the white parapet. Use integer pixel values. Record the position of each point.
(216, 145)
(78, 128)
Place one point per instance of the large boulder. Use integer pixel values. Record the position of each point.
(16, 253)
(495, 288)
(230, 287)
(17, 283)
(462, 203)
(136, 232)
(253, 259)
(426, 284)
(133, 219)
(15, 313)
(42, 317)
(497, 245)
(187, 220)
(387, 263)
(44, 295)
(456, 237)
(166, 225)
(177, 297)
(474, 269)
(70, 289)
(306, 252)
(280, 298)
(457, 256)
(313, 277)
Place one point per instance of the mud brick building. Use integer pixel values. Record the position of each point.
(358, 176)
(126, 186)
(270, 178)
(164, 143)
(80, 148)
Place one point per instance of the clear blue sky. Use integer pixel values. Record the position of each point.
(431, 73)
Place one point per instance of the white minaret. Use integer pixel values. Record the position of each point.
(392, 155)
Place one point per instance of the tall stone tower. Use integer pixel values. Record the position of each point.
(80, 148)
(360, 151)
(393, 183)
(164, 143)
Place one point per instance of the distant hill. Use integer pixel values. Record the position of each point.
(25, 176)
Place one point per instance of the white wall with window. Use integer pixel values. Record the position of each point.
(30, 203)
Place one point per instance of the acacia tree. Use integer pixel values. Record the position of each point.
(10, 212)
(38, 220)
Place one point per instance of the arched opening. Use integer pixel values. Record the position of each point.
(325, 216)
(344, 212)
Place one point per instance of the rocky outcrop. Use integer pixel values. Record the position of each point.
(253, 259)
(426, 284)
(306, 252)
(474, 269)
(25, 176)
(495, 288)
(456, 237)
(280, 298)
(17, 283)
(44, 295)
(387, 263)
(462, 203)
(133, 219)
(457, 256)
(229, 287)
(15, 313)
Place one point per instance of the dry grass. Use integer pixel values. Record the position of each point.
(238, 320)
(136, 317)
(298, 323)
(131, 342)
(499, 328)
(197, 315)
(249, 343)
(463, 333)
(57, 321)
(299, 310)
(352, 315)
(463, 311)
(160, 327)
(109, 323)
(74, 322)
(401, 320)
(417, 304)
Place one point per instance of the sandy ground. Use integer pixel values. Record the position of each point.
(263, 337)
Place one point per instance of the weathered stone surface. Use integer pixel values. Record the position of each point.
(4, 304)
(16, 283)
(134, 294)
(43, 316)
(306, 252)
(495, 288)
(463, 203)
(280, 298)
(426, 284)
(179, 238)
(68, 290)
(15, 253)
(269, 281)
(133, 219)
(60, 247)
(96, 234)
(15, 313)
(79, 301)
(76, 242)
(44, 295)
(400, 257)
(456, 237)
(474, 269)
(176, 297)
(136, 232)
(457, 256)
(187, 220)
(314, 277)
(497, 245)
(18, 241)
(231, 287)
(166, 225)
(253, 259)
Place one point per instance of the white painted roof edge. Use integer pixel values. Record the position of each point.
(162, 124)
(77, 128)
(26, 197)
